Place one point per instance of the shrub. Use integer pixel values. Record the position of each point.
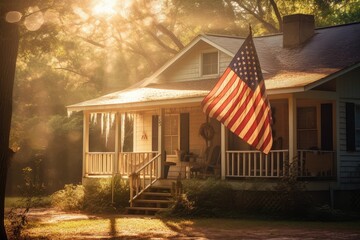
(69, 198)
(208, 198)
(31, 191)
(295, 201)
(98, 195)
(95, 196)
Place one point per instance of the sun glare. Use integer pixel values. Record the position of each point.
(104, 7)
(111, 7)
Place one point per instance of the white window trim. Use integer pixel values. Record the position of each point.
(172, 154)
(201, 64)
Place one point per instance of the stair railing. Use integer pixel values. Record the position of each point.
(143, 178)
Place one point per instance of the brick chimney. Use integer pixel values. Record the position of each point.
(297, 29)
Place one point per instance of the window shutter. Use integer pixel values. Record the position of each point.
(326, 127)
(350, 126)
(184, 132)
(155, 130)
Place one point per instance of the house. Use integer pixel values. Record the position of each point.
(312, 78)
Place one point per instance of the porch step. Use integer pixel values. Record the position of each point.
(143, 210)
(157, 194)
(153, 200)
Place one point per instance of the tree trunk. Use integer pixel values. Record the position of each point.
(9, 42)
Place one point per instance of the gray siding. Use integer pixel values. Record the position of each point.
(348, 88)
(188, 67)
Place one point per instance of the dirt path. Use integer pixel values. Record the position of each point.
(53, 224)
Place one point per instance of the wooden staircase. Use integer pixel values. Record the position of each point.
(151, 201)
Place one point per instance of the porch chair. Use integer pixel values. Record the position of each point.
(211, 164)
(167, 165)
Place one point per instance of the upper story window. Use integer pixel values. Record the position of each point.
(210, 63)
(357, 127)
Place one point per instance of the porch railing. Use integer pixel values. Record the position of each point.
(103, 163)
(99, 163)
(257, 164)
(317, 163)
(143, 178)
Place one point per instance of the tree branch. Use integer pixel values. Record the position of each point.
(170, 34)
(73, 71)
(266, 24)
(161, 43)
(277, 14)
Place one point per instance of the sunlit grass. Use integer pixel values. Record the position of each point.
(102, 227)
(147, 227)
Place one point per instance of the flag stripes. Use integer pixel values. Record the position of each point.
(239, 99)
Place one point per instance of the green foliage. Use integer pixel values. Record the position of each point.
(295, 201)
(94, 196)
(98, 195)
(69, 198)
(18, 220)
(31, 191)
(207, 198)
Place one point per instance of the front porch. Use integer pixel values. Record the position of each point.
(310, 165)
(150, 145)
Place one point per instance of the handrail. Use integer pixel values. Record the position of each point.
(143, 178)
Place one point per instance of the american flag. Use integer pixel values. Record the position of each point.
(239, 99)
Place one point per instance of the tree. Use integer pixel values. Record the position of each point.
(9, 44)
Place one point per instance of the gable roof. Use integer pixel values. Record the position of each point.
(332, 51)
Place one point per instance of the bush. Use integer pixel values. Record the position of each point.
(295, 201)
(212, 198)
(98, 195)
(69, 198)
(95, 197)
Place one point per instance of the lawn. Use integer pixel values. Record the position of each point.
(54, 224)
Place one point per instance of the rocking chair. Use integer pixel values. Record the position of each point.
(210, 166)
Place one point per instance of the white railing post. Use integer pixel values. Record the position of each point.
(223, 151)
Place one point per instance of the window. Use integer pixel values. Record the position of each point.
(357, 127)
(210, 63)
(171, 133)
(306, 127)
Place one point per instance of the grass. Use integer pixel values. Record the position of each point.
(19, 202)
(134, 227)
(47, 223)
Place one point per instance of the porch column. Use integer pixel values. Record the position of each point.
(117, 141)
(161, 143)
(223, 144)
(85, 143)
(292, 129)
